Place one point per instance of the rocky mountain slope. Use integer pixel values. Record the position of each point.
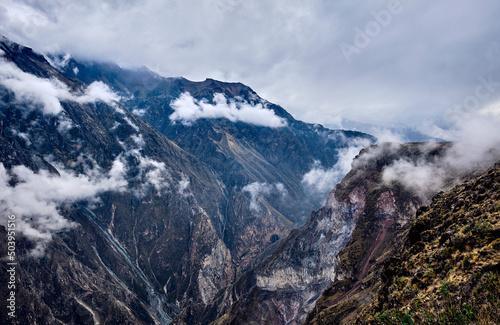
(105, 220)
(440, 269)
(448, 270)
(265, 155)
(125, 221)
(238, 148)
(363, 213)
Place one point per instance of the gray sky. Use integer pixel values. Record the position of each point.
(412, 64)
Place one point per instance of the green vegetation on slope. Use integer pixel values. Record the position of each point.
(449, 271)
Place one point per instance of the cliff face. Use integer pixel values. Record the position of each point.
(341, 244)
(259, 169)
(426, 270)
(106, 231)
(448, 269)
(128, 217)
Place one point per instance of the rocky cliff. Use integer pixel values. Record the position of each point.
(127, 217)
(447, 271)
(407, 274)
(340, 244)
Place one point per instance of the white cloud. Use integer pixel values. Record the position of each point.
(257, 190)
(422, 177)
(34, 91)
(183, 185)
(59, 61)
(386, 135)
(288, 51)
(493, 109)
(476, 147)
(96, 91)
(22, 135)
(188, 110)
(155, 173)
(65, 124)
(36, 197)
(139, 112)
(320, 180)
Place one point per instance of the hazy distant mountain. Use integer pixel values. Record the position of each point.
(405, 134)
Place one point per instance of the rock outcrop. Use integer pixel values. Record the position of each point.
(340, 244)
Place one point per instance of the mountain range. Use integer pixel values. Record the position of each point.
(141, 199)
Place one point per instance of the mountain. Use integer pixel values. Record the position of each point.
(129, 209)
(250, 156)
(239, 148)
(405, 134)
(115, 220)
(331, 266)
(137, 199)
(445, 268)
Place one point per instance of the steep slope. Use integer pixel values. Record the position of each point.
(448, 270)
(265, 164)
(241, 149)
(363, 213)
(116, 222)
(364, 265)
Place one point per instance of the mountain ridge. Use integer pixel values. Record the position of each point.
(154, 224)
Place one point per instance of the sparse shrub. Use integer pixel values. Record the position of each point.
(481, 228)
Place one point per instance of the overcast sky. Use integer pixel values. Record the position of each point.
(389, 63)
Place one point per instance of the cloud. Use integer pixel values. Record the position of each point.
(287, 51)
(387, 135)
(139, 112)
(188, 110)
(183, 185)
(59, 61)
(422, 177)
(151, 173)
(476, 147)
(320, 180)
(257, 190)
(35, 198)
(47, 94)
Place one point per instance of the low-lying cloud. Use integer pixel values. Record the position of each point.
(152, 174)
(257, 190)
(35, 198)
(47, 94)
(320, 180)
(188, 110)
(477, 148)
(184, 185)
